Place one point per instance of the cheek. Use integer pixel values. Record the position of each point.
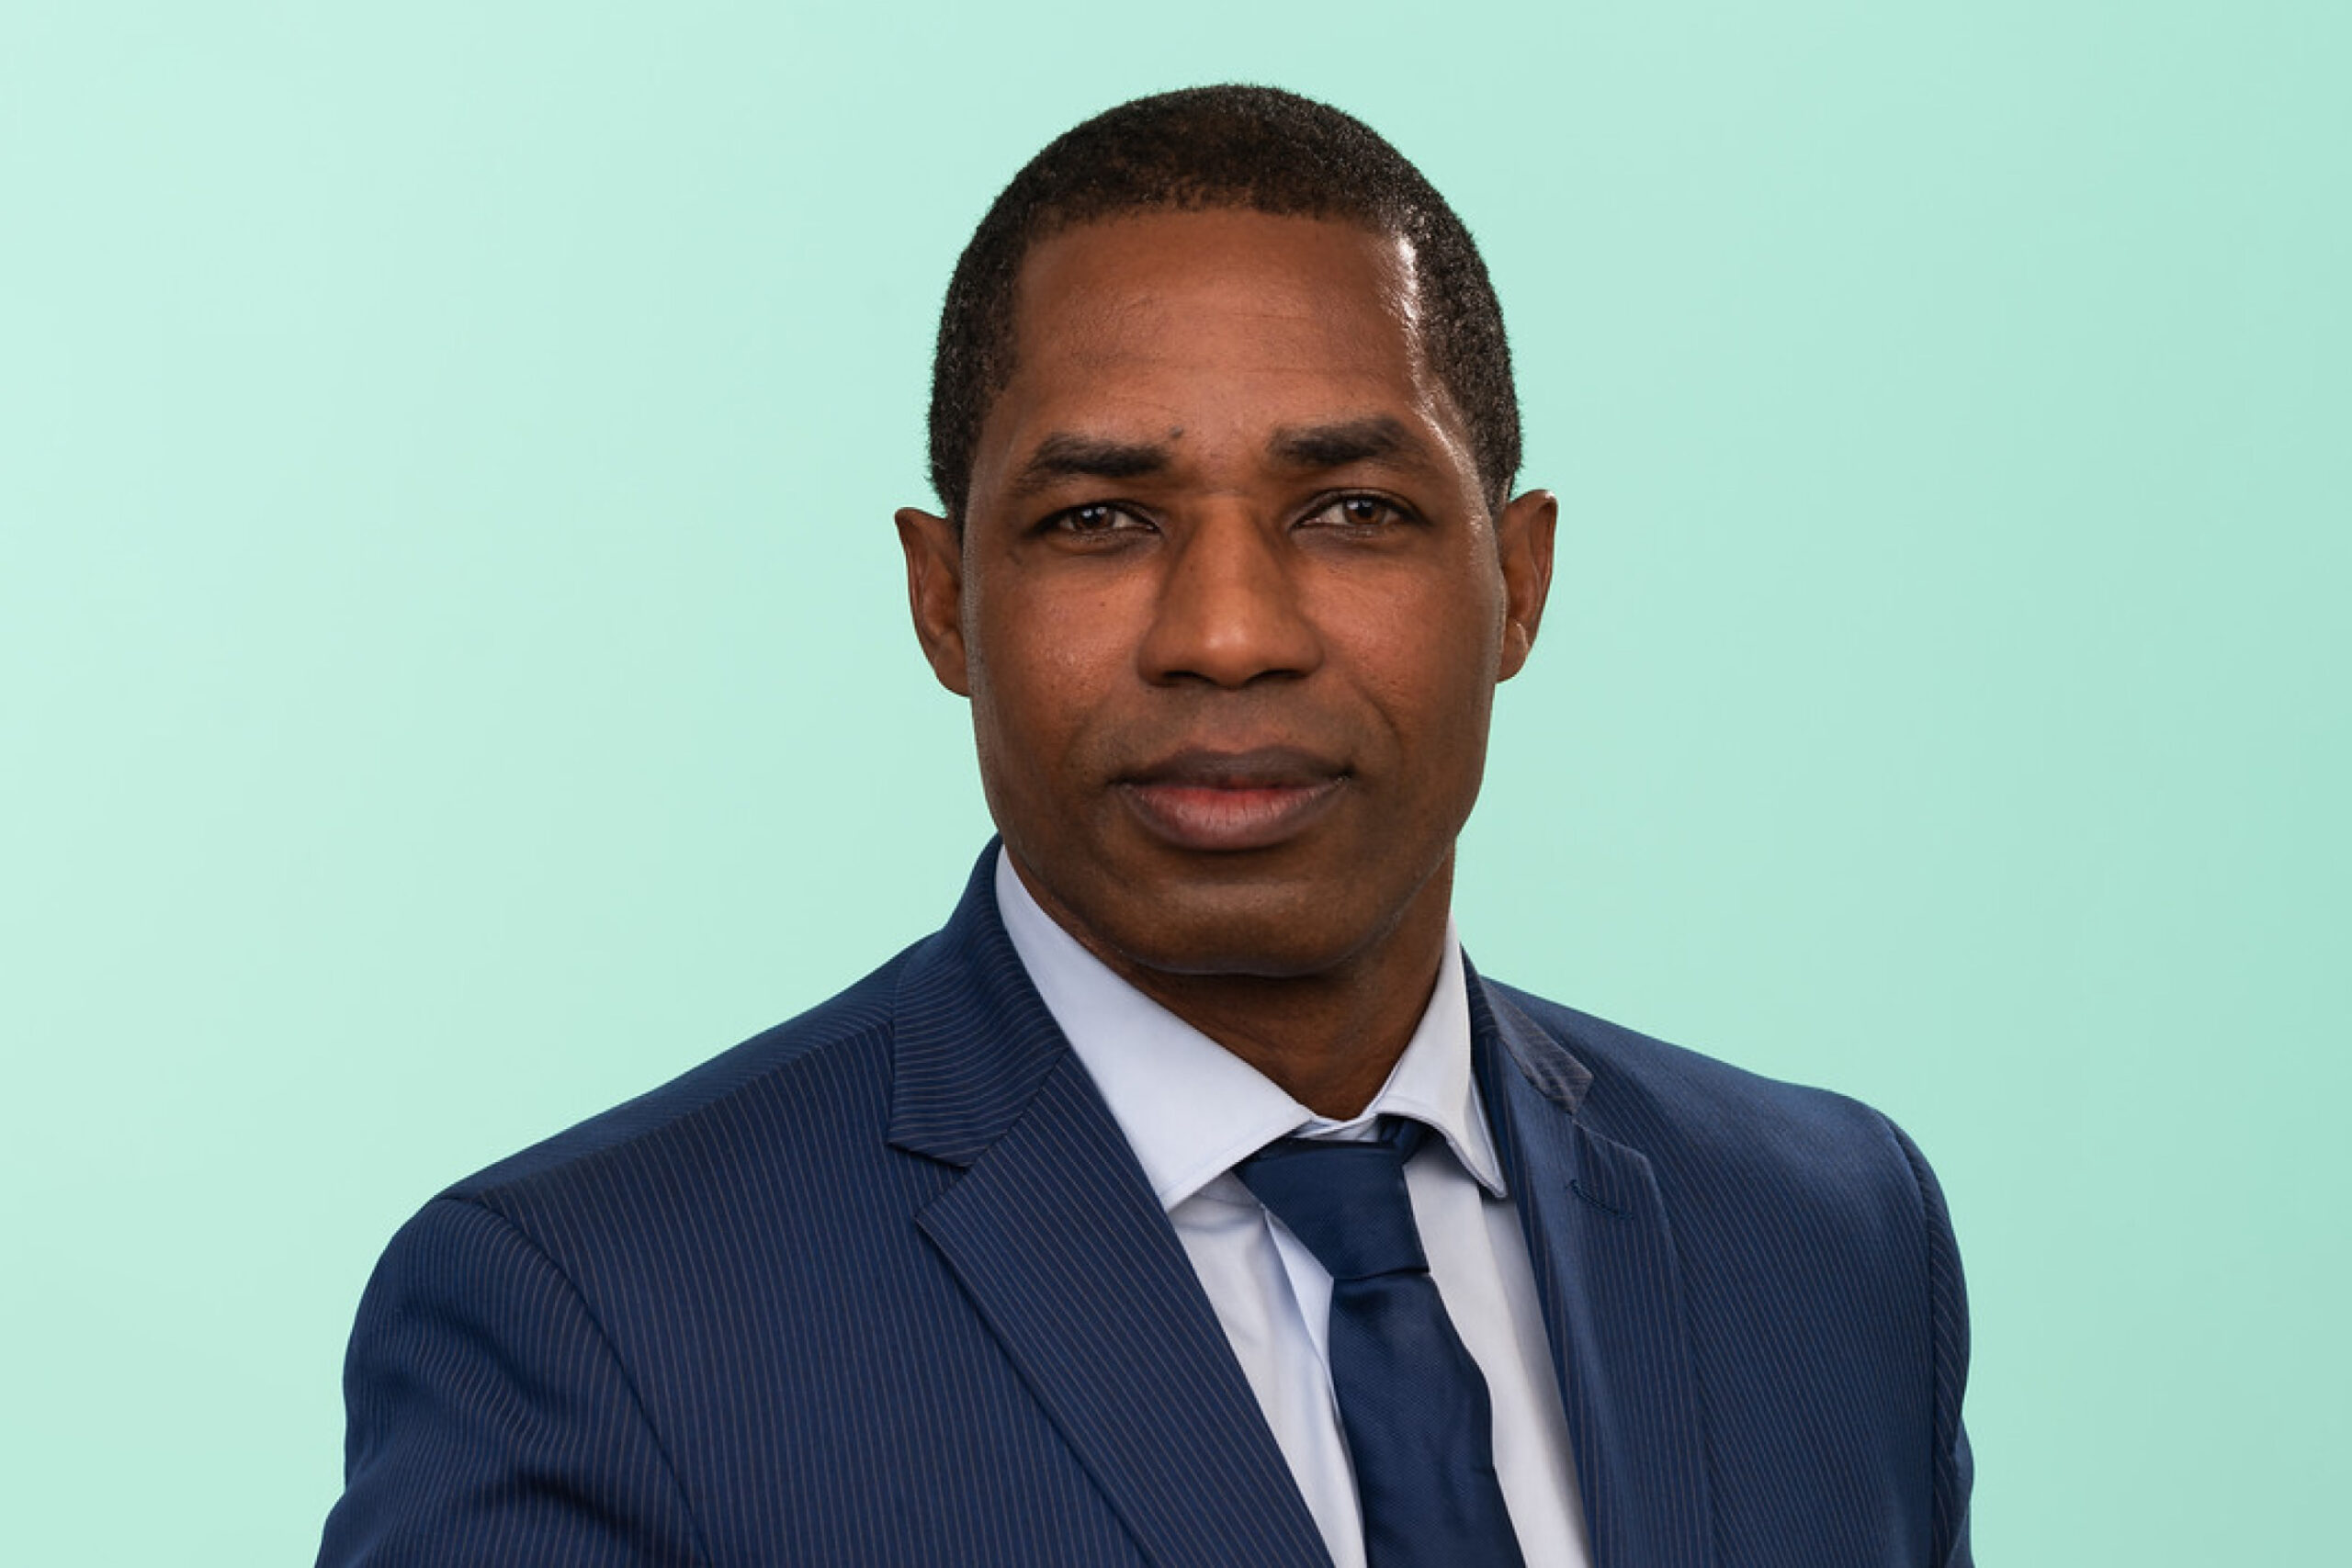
(1040, 674)
(1061, 631)
(1429, 653)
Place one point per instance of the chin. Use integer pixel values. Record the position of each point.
(1236, 960)
(1283, 942)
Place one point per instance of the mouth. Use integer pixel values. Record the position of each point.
(1226, 801)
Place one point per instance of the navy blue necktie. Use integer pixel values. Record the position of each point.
(1418, 1425)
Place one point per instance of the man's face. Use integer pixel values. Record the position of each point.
(1229, 602)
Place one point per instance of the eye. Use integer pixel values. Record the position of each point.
(1095, 520)
(1359, 514)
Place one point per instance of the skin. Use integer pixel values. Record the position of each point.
(1230, 606)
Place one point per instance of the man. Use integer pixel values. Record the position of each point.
(1051, 1241)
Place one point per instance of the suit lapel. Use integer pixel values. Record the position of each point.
(1065, 1253)
(1598, 1233)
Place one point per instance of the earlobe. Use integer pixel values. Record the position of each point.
(934, 552)
(1523, 535)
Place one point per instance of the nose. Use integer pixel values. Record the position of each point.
(1230, 610)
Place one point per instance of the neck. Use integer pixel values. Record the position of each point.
(1328, 1039)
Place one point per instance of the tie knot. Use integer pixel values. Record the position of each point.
(1346, 1203)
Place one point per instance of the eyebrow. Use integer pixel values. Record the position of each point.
(1066, 455)
(1063, 456)
(1364, 440)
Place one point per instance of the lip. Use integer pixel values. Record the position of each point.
(1227, 801)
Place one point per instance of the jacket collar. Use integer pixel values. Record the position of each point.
(974, 1044)
(1610, 1285)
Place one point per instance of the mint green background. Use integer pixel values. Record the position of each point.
(455, 672)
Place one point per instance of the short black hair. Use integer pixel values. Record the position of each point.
(1204, 148)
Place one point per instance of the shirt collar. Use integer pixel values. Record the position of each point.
(1190, 1108)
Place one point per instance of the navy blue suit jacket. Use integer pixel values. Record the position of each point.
(885, 1285)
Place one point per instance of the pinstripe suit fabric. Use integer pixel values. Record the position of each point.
(884, 1285)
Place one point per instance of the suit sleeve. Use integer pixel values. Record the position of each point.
(1954, 1466)
(489, 1420)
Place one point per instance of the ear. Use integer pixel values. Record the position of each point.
(1523, 537)
(934, 551)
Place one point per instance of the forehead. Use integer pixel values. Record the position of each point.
(1198, 320)
(1092, 277)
